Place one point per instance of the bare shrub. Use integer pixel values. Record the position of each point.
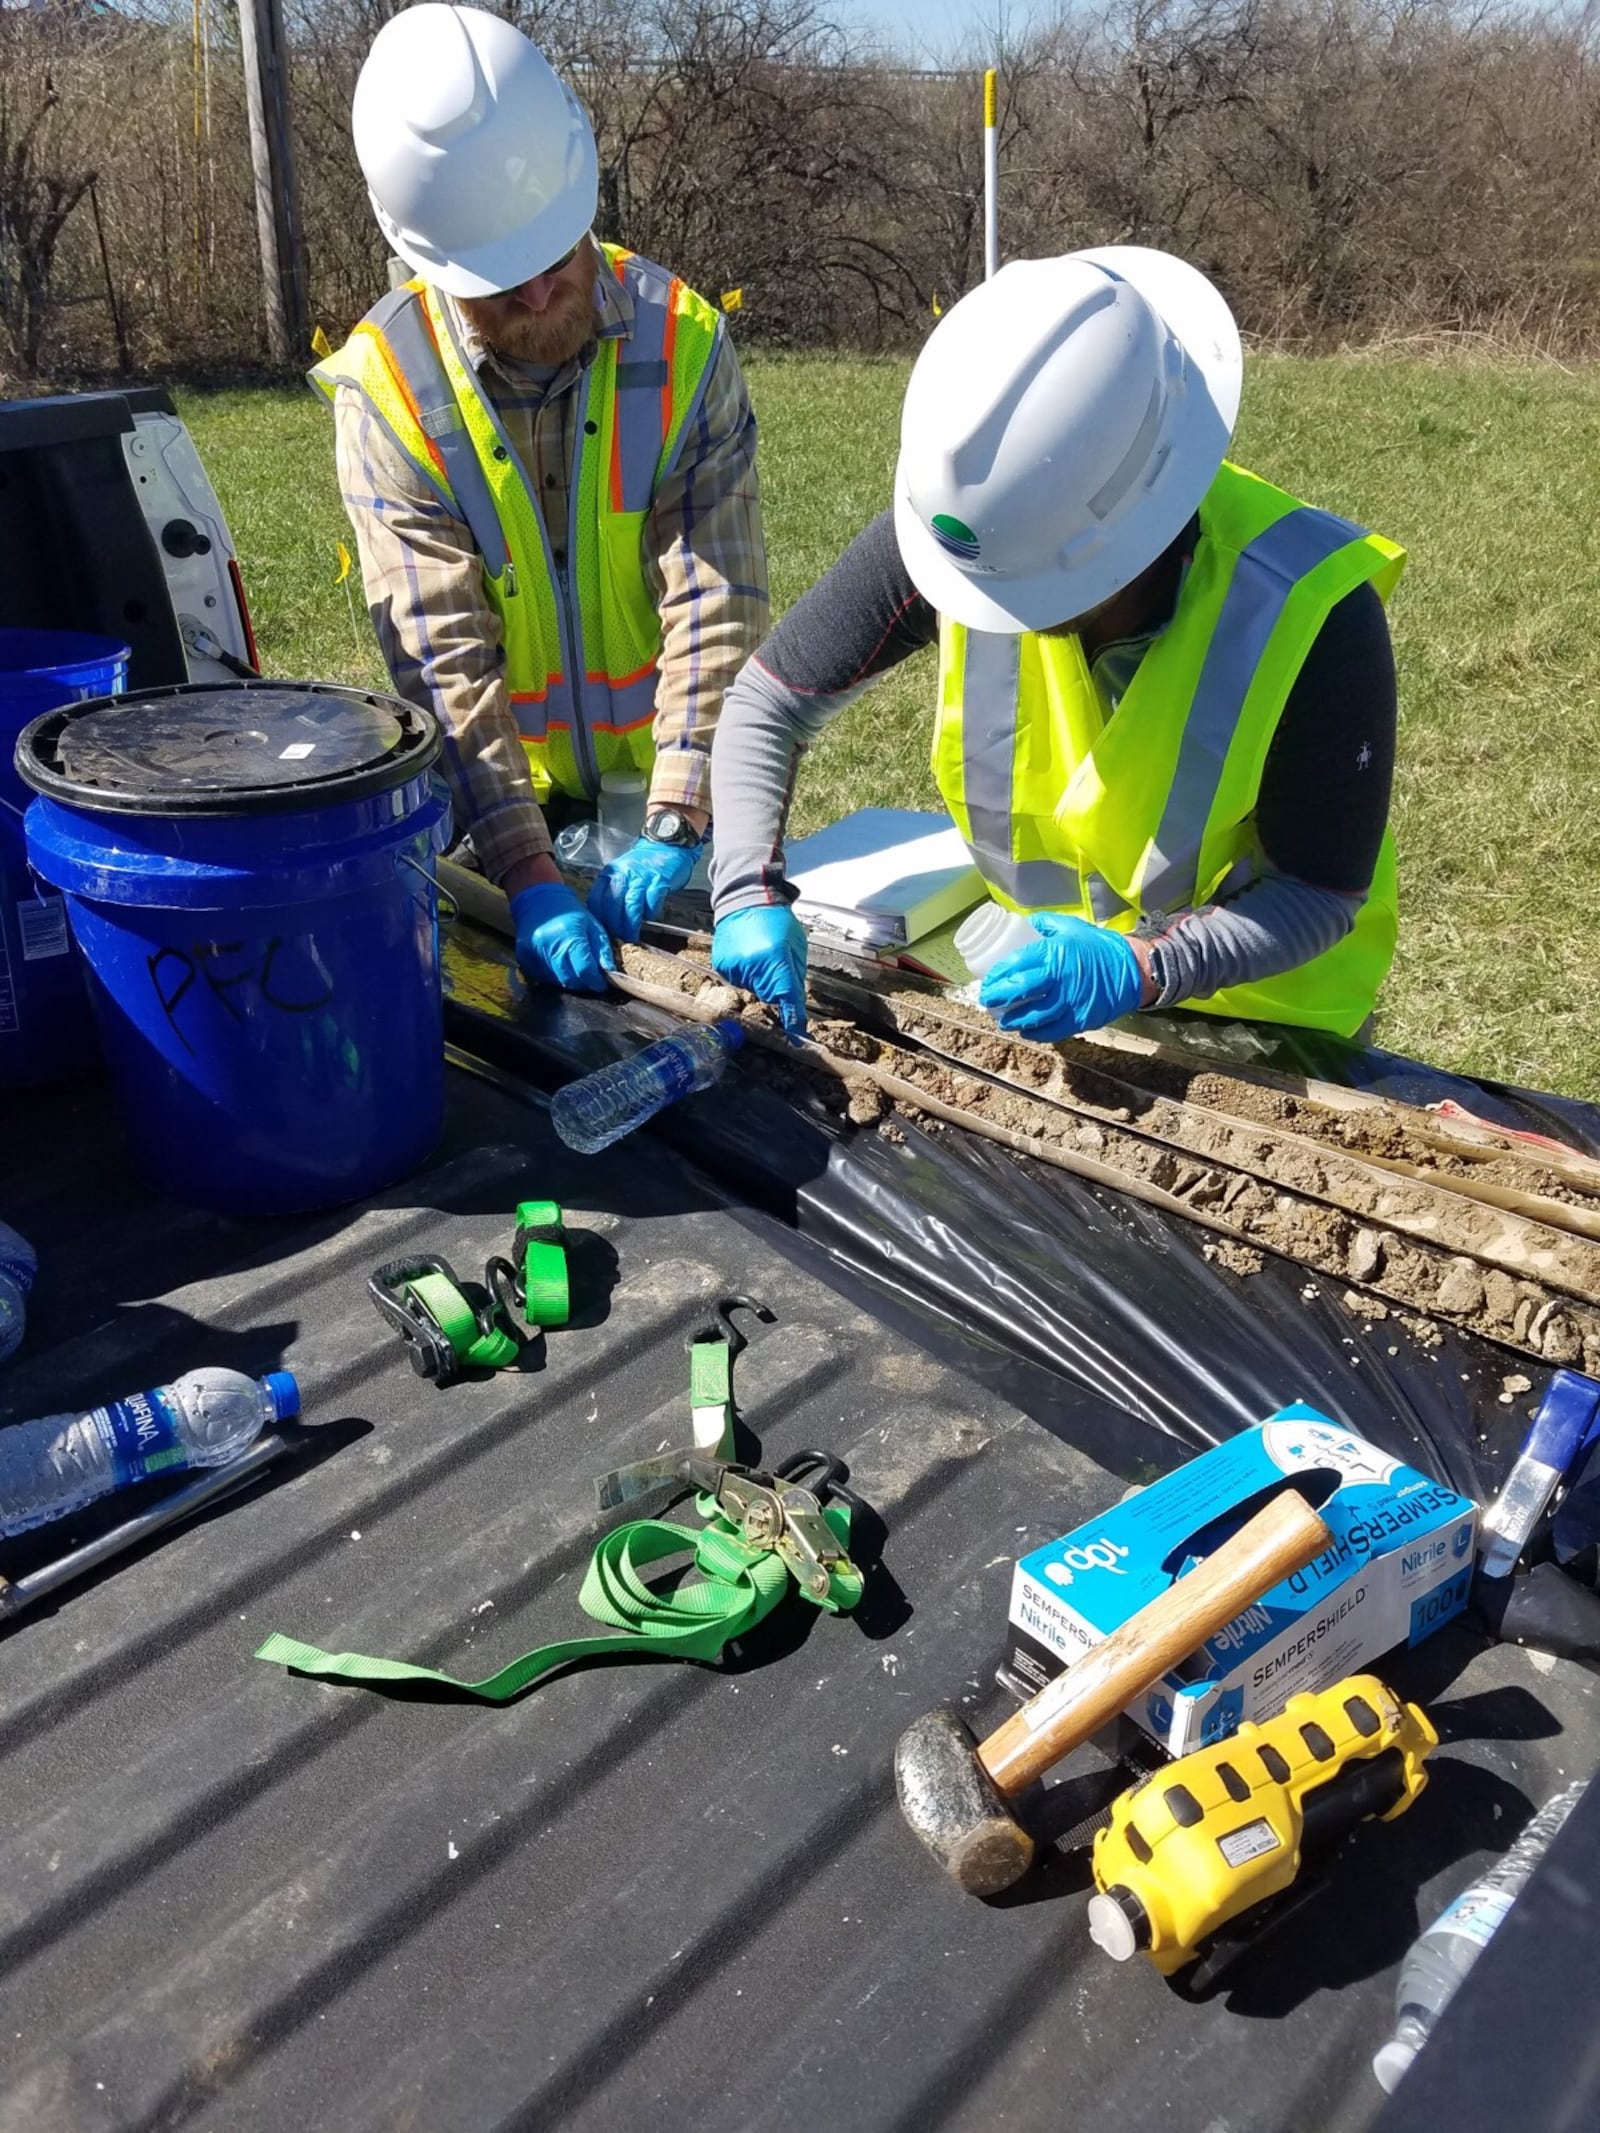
(1346, 169)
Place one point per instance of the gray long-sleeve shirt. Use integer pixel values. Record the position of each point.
(1320, 814)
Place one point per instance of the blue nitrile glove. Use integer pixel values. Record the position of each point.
(633, 888)
(1074, 977)
(764, 950)
(558, 943)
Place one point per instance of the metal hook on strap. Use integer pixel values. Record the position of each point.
(712, 1346)
(721, 1327)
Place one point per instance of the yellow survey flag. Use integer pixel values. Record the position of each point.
(343, 554)
(321, 346)
(733, 299)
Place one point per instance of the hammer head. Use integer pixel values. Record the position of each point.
(951, 1803)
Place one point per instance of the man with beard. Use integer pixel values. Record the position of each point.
(548, 456)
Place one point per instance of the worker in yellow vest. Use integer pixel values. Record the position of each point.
(1166, 699)
(548, 456)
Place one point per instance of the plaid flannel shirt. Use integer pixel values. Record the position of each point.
(702, 553)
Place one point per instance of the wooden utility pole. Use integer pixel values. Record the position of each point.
(283, 272)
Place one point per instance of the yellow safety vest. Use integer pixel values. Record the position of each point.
(581, 656)
(1151, 810)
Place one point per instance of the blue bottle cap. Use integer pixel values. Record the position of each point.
(731, 1033)
(284, 1394)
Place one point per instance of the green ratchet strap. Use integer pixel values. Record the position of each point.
(423, 1301)
(712, 1348)
(540, 1257)
(445, 1333)
(739, 1583)
(711, 1395)
(479, 1342)
(762, 1533)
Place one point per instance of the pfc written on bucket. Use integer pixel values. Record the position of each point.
(249, 871)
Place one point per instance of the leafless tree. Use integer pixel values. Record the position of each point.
(1346, 169)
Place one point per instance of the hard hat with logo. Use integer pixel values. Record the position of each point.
(480, 163)
(1061, 425)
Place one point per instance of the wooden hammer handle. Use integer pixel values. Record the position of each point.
(1280, 1539)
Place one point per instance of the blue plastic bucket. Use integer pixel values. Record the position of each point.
(46, 1027)
(249, 872)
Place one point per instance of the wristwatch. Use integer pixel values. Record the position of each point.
(1161, 976)
(668, 826)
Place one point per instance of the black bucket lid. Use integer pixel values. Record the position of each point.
(238, 748)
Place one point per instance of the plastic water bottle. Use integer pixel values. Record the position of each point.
(61, 1462)
(1441, 1958)
(590, 1114)
(18, 1265)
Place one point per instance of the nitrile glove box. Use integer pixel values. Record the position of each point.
(1400, 1565)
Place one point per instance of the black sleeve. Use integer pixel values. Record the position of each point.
(1325, 786)
(862, 618)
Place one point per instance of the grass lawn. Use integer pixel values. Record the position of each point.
(1489, 475)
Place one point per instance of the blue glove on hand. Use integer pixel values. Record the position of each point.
(1074, 977)
(558, 943)
(764, 950)
(634, 887)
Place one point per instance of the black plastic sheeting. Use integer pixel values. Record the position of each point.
(1100, 1317)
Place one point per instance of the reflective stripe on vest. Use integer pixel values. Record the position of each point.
(399, 318)
(1264, 576)
(991, 706)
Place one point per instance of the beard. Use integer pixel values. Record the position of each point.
(553, 335)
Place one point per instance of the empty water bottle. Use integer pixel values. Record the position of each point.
(590, 1114)
(1441, 1958)
(61, 1462)
(18, 1266)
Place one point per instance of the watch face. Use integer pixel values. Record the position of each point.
(669, 827)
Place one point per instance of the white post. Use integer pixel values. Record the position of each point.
(991, 179)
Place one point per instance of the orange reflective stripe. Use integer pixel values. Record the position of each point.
(397, 377)
(616, 457)
(623, 681)
(410, 399)
(605, 725)
(669, 342)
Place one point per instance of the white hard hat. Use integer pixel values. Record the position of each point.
(1061, 425)
(479, 162)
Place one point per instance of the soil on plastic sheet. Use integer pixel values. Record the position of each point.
(1094, 1074)
(1437, 1277)
(1206, 1124)
(1273, 1198)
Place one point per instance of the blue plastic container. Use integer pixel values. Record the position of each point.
(46, 1027)
(249, 872)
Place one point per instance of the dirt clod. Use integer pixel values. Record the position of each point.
(1460, 1290)
(867, 1103)
(722, 1001)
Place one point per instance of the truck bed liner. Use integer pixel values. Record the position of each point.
(232, 1898)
